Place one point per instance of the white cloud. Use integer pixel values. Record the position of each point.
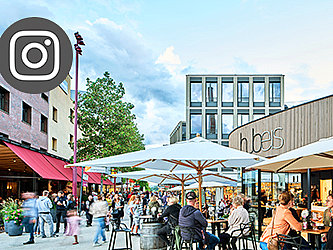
(169, 57)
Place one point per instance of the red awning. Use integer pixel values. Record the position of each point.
(38, 163)
(59, 165)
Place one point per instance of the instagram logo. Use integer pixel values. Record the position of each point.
(36, 55)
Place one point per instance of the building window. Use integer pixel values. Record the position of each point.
(71, 115)
(242, 119)
(227, 92)
(27, 144)
(274, 91)
(71, 138)
(64, 86)
(43, 124)
(26, 113)
(258, 116)
(227, 125)
(55, 114)
(211, 126)
(196, 91)
(211, 91)
(45, 97)
(243, 91)
(54, 144)
(184, 132)
(258, 91)
(196, 125)
(4, 100)
(258, 113)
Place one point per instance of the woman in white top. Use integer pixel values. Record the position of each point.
(238, 216)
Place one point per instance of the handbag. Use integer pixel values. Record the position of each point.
(272, 242)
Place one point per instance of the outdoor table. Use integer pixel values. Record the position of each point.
(217, 224)
(316, 239)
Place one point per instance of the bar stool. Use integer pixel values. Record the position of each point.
(122, 228)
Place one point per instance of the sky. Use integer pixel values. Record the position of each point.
(151, 45)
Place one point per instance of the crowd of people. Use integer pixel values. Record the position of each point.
(109, 210)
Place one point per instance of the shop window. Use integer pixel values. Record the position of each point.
(55, 114)
(26, 113)
(54, 144)
(4, 100)
(43, 123)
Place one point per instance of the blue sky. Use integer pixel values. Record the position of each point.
(151, 45)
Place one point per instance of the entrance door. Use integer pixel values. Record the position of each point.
(325, 189)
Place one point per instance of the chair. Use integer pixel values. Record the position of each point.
(121, 228)
(293, 242)
(188, 243)
(248, 233)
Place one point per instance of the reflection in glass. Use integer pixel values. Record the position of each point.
(243, 92)
(259, 92)
(274, 89)
(227, 92)
(196, 124)
(242, 119)
(211, 121)
(196, 92)
(257, 116)
(211, 91)
(227, 123)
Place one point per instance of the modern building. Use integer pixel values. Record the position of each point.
(279, 133)
(216, 104)
(178, 133)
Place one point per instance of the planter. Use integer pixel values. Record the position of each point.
(13, 229)
(6, 226)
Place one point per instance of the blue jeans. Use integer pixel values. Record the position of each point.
(263, 246)
(27, 222)
(213, 241)
(100, 229)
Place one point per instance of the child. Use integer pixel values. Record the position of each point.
(73, 222)
(136, 212)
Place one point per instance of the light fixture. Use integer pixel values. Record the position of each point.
(14, 160)
(9, 169)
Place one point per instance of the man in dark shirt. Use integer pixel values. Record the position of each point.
(61, 204)
(192, 219)
(144, 202)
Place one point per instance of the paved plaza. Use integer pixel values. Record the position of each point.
(65, 242)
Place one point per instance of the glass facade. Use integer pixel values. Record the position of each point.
(196, 124)
(211, 126)
(242, 119)
(258, 91)
(196, 91)
(274, 91)
(211, 91)
(227, 92)
(243, 91)
(227, 125)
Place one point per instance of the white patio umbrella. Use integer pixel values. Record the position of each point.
(178, 176)
(210, 184)
(317, 155)
(197, 153)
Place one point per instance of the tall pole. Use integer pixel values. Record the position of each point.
(260, 215)
(200, 191)
(309, 189)
(183, 191)
(81, 190)
(75, 126)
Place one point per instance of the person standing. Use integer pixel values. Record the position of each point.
(89, 216)
(144, 203)
(44, 206)
(190, 217)
(61, 204)
(99, 210)
(70, 202)
(117, 208)
(30, 215)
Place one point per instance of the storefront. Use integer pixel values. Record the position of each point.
(26, 169)
(279, 133)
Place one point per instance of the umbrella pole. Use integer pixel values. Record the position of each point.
(183, 194)
(309, 189)
(200, 193)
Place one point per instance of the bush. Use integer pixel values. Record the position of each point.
(12, 211)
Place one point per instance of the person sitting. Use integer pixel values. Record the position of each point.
(328, 221)
(172, 213)
(282, 222)
(190, 217)
(327, 213)
(238, 216)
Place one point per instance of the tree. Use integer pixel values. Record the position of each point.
(106, 121)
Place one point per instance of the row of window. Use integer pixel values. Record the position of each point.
(211, 123)
(27, 110)
(242, 91)
(55, 142)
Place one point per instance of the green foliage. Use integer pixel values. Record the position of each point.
(106, 121)
(11, 211)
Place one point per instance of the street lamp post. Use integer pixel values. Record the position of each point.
(79, 41)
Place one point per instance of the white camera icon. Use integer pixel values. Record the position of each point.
(41, 48)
